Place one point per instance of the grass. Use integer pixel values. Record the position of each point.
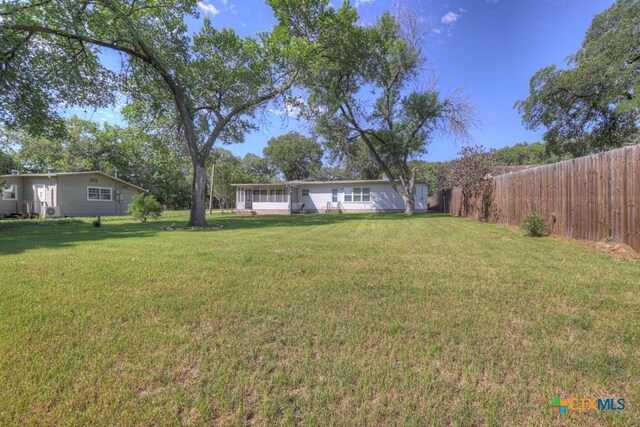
(317, 319)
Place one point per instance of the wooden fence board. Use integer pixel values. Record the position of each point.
(588, 198)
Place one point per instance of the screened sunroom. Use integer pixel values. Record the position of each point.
(275, 198)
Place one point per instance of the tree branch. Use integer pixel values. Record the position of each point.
(35, 29)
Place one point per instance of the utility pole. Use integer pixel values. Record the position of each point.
(213, 169)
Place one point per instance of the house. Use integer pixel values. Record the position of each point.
(65, 194)
(325, 196)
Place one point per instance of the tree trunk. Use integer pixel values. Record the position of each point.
(198, 217)
(409, 202)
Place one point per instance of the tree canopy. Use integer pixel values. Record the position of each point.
(295, 156)
(401, 119)
(535, 153)
(593, 104)
(206, 86)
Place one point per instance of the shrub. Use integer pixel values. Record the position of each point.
(535, 225)
(145, 206)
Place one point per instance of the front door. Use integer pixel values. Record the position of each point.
(248, 199)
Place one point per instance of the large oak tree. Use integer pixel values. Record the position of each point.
(594, 104)
(207, 86)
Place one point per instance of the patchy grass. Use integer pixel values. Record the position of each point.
(317, 319)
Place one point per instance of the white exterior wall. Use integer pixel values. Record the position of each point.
(9, 206)
(265, 206)
(383, 198)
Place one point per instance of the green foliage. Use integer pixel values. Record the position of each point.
(229, 169)
(385, 60)
(7, 163)
(293, 155)
(535, 225)
(535, 153)
(208, 85)
(145, 206)
(145, 159)
(352, 160)
(594, 103)
(430, 172)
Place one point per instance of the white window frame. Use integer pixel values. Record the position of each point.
(100, 193)
(307, 191)
(6, 188)
(367, 194)
(357, 195)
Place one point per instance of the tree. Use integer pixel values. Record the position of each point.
(7, 163)
(470, 173)
(535, 153)
(207, 87)
(353, 160)
(396, 126)
(430, 172)
(295, 156)
(144, 158)
(258, 168)
(229, 169)
(593, 104)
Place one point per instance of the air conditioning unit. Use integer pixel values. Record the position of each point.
(52, 212)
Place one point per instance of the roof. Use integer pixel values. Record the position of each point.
(55, 174)
(304, 183)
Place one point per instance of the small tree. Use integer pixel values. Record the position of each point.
(470, 173)
(145, 206)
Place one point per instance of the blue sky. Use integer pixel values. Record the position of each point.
(487, 48)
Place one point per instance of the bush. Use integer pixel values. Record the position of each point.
(145, 206)
(535, 225)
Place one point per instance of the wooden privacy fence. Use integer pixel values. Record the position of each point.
(590, 198)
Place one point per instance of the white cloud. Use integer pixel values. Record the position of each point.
(208, 8)
(450, 18)
(224, 2)
(359, 3)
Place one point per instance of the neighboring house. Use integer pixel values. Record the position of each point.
(65, 194)
(325, 196)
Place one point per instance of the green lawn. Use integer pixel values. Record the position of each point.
(317, 319)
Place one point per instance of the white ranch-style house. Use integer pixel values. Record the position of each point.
(325, 196)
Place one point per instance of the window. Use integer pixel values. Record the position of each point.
(334, 195)
(272, 196)
(357, 194)
(99, 194)
(280, 196)
(305, 192)
(9, 192)
(256, 196)
(366, 194)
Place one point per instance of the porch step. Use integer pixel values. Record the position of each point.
(246, 213)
